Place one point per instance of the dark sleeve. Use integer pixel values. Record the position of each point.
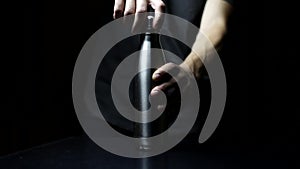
(190, 10)
(231, 2)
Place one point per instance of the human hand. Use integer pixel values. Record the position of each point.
(128, 7)
(181, 74)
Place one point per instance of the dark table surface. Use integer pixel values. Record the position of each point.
(81, 153)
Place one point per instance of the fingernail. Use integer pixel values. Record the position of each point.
(154, 92)
(156, 75)
(117, 14)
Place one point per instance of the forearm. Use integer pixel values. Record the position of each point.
(212, 30)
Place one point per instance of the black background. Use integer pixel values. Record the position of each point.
(40, 108)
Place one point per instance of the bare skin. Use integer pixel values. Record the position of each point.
(213, 26)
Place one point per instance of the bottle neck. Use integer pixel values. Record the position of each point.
(153, 38)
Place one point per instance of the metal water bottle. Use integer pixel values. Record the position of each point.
(144, 84)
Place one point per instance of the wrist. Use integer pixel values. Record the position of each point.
(194, 64)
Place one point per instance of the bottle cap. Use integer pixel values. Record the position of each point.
(150, 22)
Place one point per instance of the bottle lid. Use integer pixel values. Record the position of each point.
(150, 22)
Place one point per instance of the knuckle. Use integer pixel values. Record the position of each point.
(164, 86)
(167, 85)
